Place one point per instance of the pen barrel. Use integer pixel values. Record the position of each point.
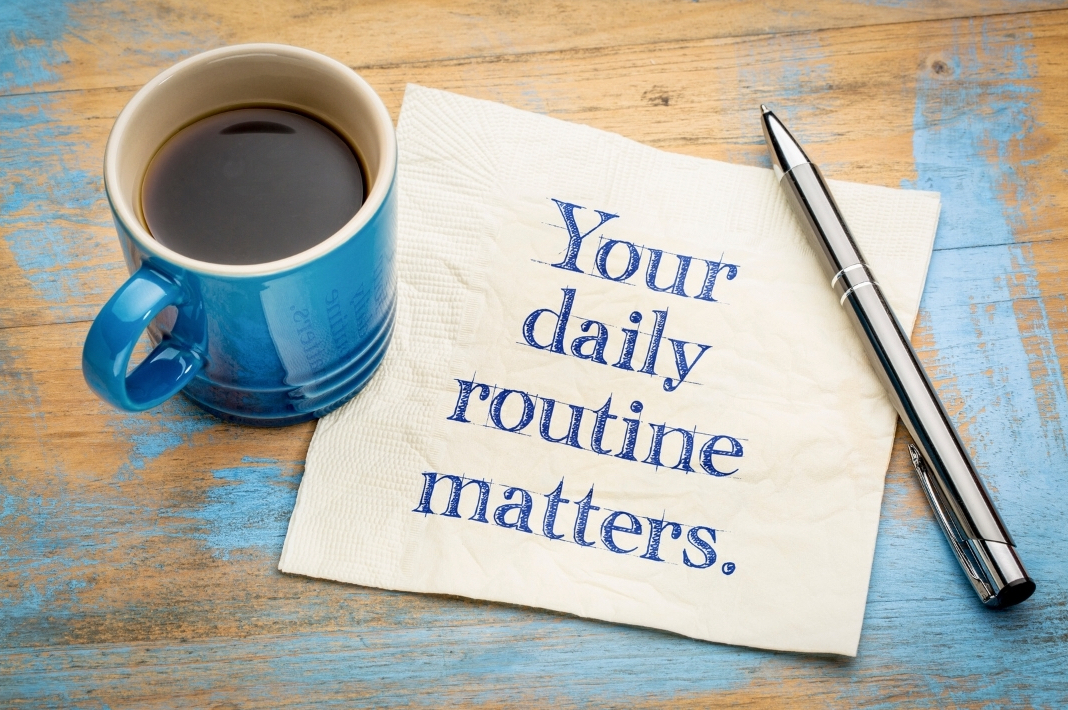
(962, 505)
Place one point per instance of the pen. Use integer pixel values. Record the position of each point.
(962, 507)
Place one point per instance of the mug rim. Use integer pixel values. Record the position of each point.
(376, 197)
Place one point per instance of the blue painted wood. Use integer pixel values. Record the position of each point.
(138, 551)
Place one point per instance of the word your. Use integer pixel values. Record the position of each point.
(591, 347)
(628, 259)
(512, 410)
(619, 531)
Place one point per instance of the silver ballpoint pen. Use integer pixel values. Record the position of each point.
(980, 542)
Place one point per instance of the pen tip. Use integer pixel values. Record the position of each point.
(764, 109)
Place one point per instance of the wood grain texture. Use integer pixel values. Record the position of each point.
(138, 551)
(696, 97)
(57, 44)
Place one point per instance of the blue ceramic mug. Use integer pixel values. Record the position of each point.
(267, 344)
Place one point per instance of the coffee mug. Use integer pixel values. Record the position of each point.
(266, 344)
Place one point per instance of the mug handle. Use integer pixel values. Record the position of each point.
(113, 337)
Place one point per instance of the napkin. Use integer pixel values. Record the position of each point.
(619, 387)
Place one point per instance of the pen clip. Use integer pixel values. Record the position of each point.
(950, 530)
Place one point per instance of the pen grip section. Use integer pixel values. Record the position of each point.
(956, 540)
(971, 524)
(914, 397)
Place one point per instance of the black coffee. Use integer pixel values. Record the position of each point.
(250, 186)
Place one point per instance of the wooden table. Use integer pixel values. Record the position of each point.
(138, 551)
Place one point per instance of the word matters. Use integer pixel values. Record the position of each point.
(579, 520)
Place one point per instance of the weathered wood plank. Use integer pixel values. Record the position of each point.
(851, 95)
(138, 552)
(55, 45)
(150, 540)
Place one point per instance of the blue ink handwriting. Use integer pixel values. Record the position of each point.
(619, 531)
(629, 256)
(513, 410)
(591, 347)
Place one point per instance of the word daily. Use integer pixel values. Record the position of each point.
(592, 346)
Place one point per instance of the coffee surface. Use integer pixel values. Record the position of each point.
(250, 186)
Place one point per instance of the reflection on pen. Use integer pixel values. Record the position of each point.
(978, 537)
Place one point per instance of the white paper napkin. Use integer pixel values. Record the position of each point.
(563, 421)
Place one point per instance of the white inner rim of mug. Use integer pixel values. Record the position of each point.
(239, 76)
